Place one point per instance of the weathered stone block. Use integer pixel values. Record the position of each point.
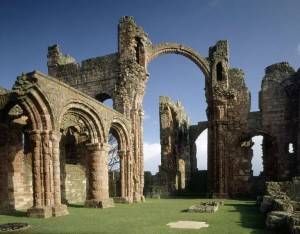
(43, 212)
(107, 203)
(60, 210)
(205, 207)
(277, 220)
(266, 204)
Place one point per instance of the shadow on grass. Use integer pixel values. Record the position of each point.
(76, 205)
(16, 213)
(250, 217)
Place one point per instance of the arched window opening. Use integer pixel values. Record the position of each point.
(106, 99)
(219, 69)
(167, 144)
(257, 160)
(139, 51)
(109, 103)
(291, 148)
(114, 167)
(201, 145)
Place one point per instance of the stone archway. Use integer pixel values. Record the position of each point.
(29, 109)
(269, 149)
(135, 52)
(176, 170)
(125, 175)
(92, 138)
(175, 48)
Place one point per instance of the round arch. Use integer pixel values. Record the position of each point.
(256, 132)
(120, 131)
(88, 116)
(269, 150)
(175, 48)
(36, 107)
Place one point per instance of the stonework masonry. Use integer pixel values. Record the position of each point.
(54, 129)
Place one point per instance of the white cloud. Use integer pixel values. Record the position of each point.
(201, 144)
(151, 157)
(298, 49)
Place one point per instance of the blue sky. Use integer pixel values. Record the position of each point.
(260, 32)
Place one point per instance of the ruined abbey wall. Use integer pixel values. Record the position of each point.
(96, 77)
(279, 101)
(175, 169)
(123, 76)
(57, 123)
(40, 118)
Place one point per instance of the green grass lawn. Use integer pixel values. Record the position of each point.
(235, 217)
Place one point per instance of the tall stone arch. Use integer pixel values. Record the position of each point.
(122, 134)
(89, 125)
(125, 75)
(175, 48)
(135, 53)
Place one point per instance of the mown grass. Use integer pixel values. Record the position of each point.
(151, 217)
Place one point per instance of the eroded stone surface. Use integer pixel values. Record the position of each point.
(205, 207)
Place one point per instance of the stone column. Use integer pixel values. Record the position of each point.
(58, 209)
(39, 210)
(98, 194)
(129, 179)
(141, 147)
(121, 154)
(46, 164)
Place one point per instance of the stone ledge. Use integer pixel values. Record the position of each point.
(60, 210)
(39, 212)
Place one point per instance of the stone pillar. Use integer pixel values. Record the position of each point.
(46, 162)
(98, 194)
(39, 209)
(58, 209)
(129, 179)
(4, 199)
(141, 147)
(122, 172)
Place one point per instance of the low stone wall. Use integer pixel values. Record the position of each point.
(21, 182)
(75, 184)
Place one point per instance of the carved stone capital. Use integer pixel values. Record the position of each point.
(98, 147)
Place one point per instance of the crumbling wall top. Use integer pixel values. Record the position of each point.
(177, 108)
(219, 50)
(56, 57)
(279, 67)
(3, 90)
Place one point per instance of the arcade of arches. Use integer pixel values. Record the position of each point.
(54, 130)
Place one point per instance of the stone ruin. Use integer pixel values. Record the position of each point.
(205, 207)
(281, 204)
(54, 129)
